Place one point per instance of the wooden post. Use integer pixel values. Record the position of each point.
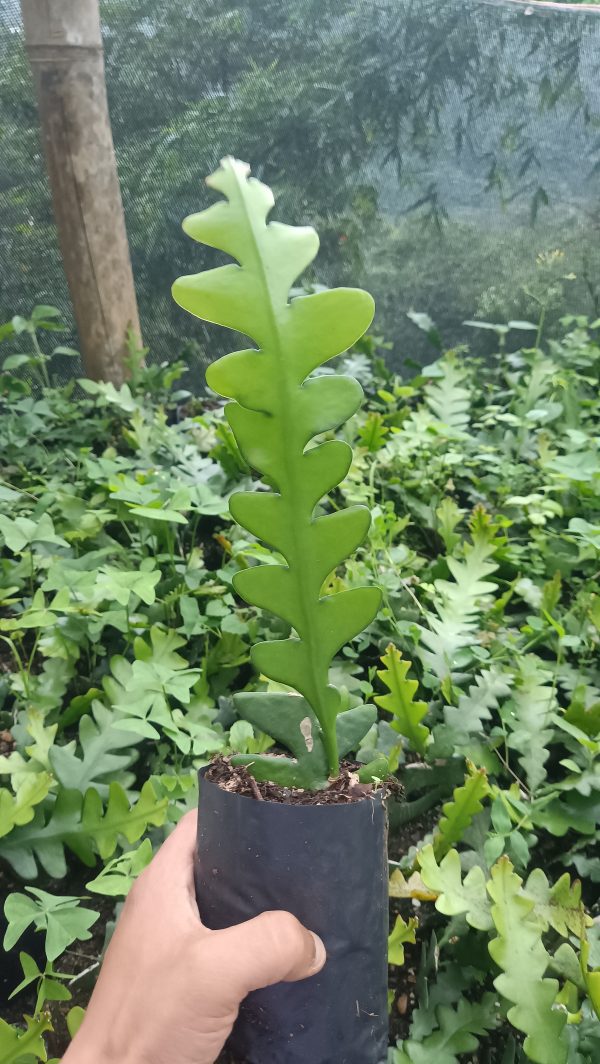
(64, 45)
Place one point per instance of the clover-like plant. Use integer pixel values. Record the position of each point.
(276, 412)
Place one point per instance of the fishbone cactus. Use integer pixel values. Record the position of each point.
(277, 409)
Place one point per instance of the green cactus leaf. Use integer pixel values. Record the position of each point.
(275, 414)
(352, 726)
(289, 720)
(407, 713)
(458, 813)
(519, 951)
(457, 1033)
(18, 1045)
(559, 906)
(82, 824)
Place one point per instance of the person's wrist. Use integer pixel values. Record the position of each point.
(86, 1049)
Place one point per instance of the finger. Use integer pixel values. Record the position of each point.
(181, 843)
(272, 948)
(172, 869)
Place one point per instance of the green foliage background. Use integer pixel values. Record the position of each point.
(123, 642)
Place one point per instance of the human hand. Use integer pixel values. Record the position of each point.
(169, 989)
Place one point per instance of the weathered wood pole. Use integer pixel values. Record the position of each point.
(64, 45)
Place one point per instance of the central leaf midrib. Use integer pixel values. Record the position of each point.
(300, 541)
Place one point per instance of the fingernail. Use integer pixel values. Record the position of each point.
(320, 955)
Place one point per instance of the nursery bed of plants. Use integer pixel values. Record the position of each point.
(122, 641)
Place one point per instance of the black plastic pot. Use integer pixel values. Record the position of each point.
(328, 866)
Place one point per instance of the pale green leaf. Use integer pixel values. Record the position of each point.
(456, 895)
(118, 876)
(19, 808)
(62, 918)
(401, 933)
(519, 951)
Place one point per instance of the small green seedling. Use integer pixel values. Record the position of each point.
(277, 410)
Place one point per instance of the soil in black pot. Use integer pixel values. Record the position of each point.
(342, 790)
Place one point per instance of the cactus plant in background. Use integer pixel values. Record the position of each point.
(276, 412)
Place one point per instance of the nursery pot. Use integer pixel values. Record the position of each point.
(326, 864)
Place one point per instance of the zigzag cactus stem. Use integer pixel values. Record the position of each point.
(277, 410)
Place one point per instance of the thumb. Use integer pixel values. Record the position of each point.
(272, 948)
